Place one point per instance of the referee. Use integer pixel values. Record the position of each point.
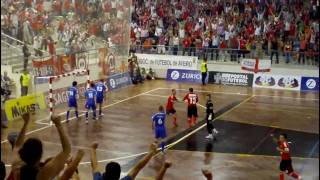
(204, 70)
(210, 118)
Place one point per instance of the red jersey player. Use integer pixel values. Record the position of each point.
(170, 109)
(286, 163)
(192, 100)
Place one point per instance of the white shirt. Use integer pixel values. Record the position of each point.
(226, 35)
(257, 31)
(158, 31)
(181, 33)
(176, 40)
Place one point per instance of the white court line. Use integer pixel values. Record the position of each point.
(244, 94)
(126, 99)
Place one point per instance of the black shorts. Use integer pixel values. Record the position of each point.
(286, 166)
(192, 111)
(171, 111)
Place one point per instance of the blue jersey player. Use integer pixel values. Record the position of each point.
(90, 96)
(158, 125)
(72, 99)
(101, 90)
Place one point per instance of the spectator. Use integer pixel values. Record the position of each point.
(175, 44)
(113, 169)
(24, 82)
(302, 50)
(27, 155)
(26, 55)
(287, 51)
(274, 50)
(167, 164)
(207, 174)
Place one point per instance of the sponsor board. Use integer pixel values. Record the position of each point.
(229, 78)
(14, 108)
(277, 81)
(309, 84)
(118, 80)
(256, 65)
(156, 61)
(184, 75)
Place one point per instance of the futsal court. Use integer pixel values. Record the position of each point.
(245, 118)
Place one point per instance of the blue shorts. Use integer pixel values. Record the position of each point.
(90, 106)
(72, 104)
(160, 132)
(99, 100)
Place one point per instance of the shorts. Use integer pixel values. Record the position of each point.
(192, 111)
(160, 132)
(72, 104)
(171, 111)
(91, 106)
(99, 100)
(286, 166)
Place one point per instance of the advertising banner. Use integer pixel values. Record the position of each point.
(256, 65)
(118, 80)
(229, 78)
(14, 108)
(179, 75)
(66, 63)
(107, 62)
(165, 62)
(310, 84)
(277, 81)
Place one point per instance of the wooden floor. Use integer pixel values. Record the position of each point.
(124, 133)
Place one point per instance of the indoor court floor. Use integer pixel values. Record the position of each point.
(245, 117)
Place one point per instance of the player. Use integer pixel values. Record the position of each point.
(90, 96)
(101, 90)
(286, 163)
(170, 109)
(209, 119)
(72, 99)
(192, 99)
(158, 125)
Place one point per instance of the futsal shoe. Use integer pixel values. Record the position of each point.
(100, 115)
(215, 131)
(209, 136)
(94, 118)
(87, 121)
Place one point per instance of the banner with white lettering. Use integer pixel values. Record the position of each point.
(156, 61)
(118, 80)
(229, 78)
(277, 81)
(180, 75)
(310, 84)
(256, 65)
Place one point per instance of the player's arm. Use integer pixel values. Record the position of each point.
(93, 157)
(163, 170)
(137, 168)
(21, 136)
(153, 122)
(72, 167)
(274, 139)
(53, 167)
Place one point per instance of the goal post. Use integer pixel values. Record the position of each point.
(51, 80)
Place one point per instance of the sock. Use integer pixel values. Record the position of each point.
(68, 112)
(189, 121)
(194, 120)
(281, 176)
(174, 120)
(77, 115)
(294, 175)
(94, 113)
(162, 145)
(87, 114)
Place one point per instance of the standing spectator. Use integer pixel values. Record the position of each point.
(161, 44)
(175, 44)
(24, 82)
(215, 46)
(51, 48)
(37, 45)
(287, 51)
(223, 46)
(26, 55)
(302, 50)
(186, 45)
(274, 50)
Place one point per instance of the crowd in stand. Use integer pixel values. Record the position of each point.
(27, 156)
(67, 23)
(259, 27)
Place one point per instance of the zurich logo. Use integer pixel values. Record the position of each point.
(175, 75)
(311, 83)
(112, 83)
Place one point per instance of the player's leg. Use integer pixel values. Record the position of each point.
(174, 116)
(87, 112)
(189, 117)
(68, 113)
(209, 128)
(100, 109)
(94, 112)
(291, 171)
(282, 169)
(76, 111)
(194, 115)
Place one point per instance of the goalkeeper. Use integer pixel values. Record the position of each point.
(209, 118)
